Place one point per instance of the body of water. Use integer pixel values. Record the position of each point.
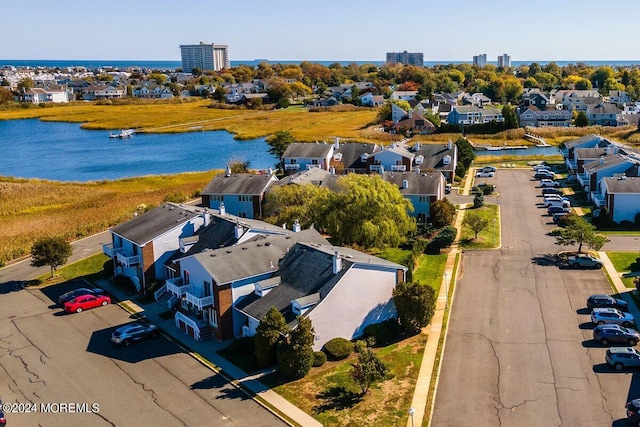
(172, 65)
(64, 152)
(530, 151)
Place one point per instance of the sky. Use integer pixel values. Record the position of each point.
(340, 30)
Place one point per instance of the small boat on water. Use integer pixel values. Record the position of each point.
(125, 133)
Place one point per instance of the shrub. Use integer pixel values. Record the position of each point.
(371, 341)
(124, 282)
(443, 239)
(175, 197)
(380, 332)
(478, 201)
(244, 345)
(627, 224)
(359, 345)
(338, 348)
(319, 359)
(486, 189)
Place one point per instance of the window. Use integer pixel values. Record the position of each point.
(244, 198)
(292, 161)
(186, 276)
(423, 199)
(217, 198)
(213, 317)
(314, 161)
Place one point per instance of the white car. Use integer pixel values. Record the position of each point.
(549, 183)
(541, 167)
(482, 174)
(550, 197)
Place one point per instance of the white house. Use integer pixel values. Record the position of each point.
(621, 196)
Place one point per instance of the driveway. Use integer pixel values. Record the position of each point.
(49, 357)
(519, 350)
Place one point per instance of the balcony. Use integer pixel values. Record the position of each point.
(376, 168)
(398, 168)
(110, 251)
(598, 199)
(583, 179)
(291, 166)
(195, 296)
(127, 261)
(312, 166)
(177, 287)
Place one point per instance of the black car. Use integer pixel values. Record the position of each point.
(633, 412)
(125, 335)
(551, 190)
(66, 297)
(602, 300)
(544, 175)
(610, 333)
(552, 210)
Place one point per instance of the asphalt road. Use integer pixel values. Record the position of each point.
(519, 349)
(51, 358)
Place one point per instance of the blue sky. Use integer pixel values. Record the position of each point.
(340, 30)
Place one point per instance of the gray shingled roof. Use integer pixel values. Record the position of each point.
(423, 184)
(433, 156)
(351, 153)
(315, 176)
(239, 183)
(155, 222)
(582, 140)
(607, 162)
(618, 184)
(307, 150)
(590, 153)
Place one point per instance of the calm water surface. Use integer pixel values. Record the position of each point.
(64, 152)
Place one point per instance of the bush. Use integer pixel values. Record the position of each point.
(627, 224)
(359, 345)
(124, 282)
(478, 201)
(244, 346)
(637, 218)
(338, 348)
(371, 341)
(380, 332)
(443, 239)
(486, 189)
(175, 197)
(319, 359)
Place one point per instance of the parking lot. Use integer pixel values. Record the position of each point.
(66, 365)
(519, 348)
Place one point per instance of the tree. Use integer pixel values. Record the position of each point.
(25, 84)
(465, 152)
(475, 222)
(52, 251)
(415, 304)
(367, 370)
(581, 119)
(367, 211)
(239, 166)
(286, 204)
(6, 95)
(478, 200)
(510, 117)
(272, 327)
(295, 353)
(442, 212)
(279, 142)
(578, 231)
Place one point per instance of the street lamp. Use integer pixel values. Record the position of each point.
(411, 412)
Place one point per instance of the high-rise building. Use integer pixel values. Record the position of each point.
(206, 56)
(504, 61)
(480, 60)
(406, 58)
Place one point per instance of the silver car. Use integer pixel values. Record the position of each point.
(125, 335)
(623, 357)
(600, 316)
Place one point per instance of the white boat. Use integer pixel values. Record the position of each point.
(125, 133)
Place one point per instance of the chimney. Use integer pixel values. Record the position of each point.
(337, 263)
(333, 170)
(336, 143)
(284, 225)
(449, 145)
(296, 226)
(601, 160)
(206, 217)
(228, 171)
(223, 211)
(238, 231)
(405, 184)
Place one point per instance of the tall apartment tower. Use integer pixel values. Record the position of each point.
(406, 58)
(206, 56)
(480, 60)
(504, 61)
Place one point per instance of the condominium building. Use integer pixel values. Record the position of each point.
(480, 60)
(206, 56)
(406, 58)
(504, 61)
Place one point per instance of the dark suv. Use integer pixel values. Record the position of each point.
(607, 334)
(602, 300)
(633, 412)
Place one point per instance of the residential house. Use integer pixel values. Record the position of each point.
(397, 113)
(584, 156)
(588, 141)
(102, 91)
(352, 157)
(446, 98)
(414, 123)
(610, 165)
(534, 97)
(370, 100)
(469, 115)
(300, 156)
(477, 100)
(531, 116)
(573, 99)
(619, 97)
(240, 194)
(140, 246)
(420, 188)
(620, 194)
(441, 158)
(605, 114)
(325, 102)
(152, 91)
(405, 95)
(39, 95)
(394, 158)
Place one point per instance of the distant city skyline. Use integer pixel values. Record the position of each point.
(296, 31)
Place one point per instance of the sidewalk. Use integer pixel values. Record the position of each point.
(206, 353)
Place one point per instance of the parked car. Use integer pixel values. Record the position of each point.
(447, 189)
(551, 190)
(633, 412)
(489, 169)
(482, 174)
(557, 202)
(544, 174)
(561, 218)
(549, 183)
(607, 334)
(125, 335)
(584, 261)
(602, 300)
(558, 197)
(542, 165)
(623, 357)
(604, 315)
(85, 302)
(553, 210)
(77, 293)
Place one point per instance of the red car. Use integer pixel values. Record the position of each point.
(84, 302)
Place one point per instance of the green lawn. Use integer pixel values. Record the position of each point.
(397, 255)
(90, 268)
(430, 269)
(622, 262)
(489, 237)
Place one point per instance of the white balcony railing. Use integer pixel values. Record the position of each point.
(198, 301)
(110, 251)
(398, 168)
(291, 166)
(376, 168)
(189, 322)
(312, 166)
(177, 287)
(583, 179)
(127, 261)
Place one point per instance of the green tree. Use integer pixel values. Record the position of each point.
(510, 117)
(25, 84)
(272, 327)
(52, 251)
(581, 119)
(239, 166)
(286, 204)
(295, 353)
(367, 211)
(415, 304)
(367, 370)
(442, 212)
(475, 222)
(578, 231)
(478, 200)
(6, 95)
(279, 142)
(465, 152)
(158, 78)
